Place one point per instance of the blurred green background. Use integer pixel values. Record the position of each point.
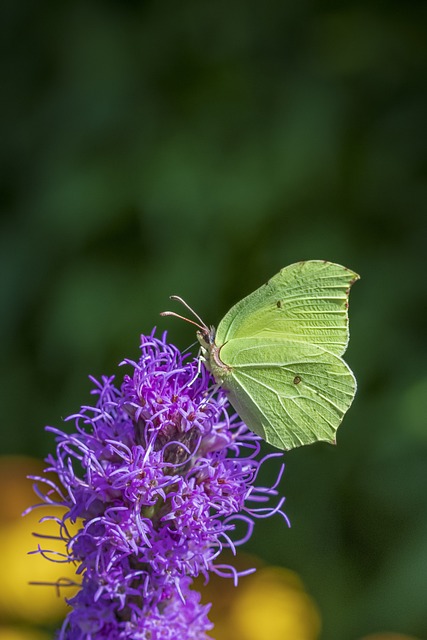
(193, 147)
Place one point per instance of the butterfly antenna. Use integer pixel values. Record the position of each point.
(201, 326)
(187, 306)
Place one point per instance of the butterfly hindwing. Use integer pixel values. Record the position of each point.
(288, 392)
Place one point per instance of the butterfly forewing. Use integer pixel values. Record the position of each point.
(306, 302)
(289, 393)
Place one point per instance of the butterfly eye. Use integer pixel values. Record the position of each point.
(203, 335)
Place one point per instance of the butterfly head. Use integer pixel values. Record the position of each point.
(206, 336)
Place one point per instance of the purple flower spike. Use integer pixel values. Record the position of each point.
(159, 475)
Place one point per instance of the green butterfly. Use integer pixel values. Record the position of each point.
(277, 354)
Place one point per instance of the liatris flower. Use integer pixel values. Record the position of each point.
(161, 478)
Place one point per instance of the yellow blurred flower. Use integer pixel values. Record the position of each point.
(271, 604)
(20, 600)
(12, 633)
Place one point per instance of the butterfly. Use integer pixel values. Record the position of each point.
(278, 354)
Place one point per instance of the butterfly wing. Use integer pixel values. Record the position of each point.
(290, 393)
(306, 301)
